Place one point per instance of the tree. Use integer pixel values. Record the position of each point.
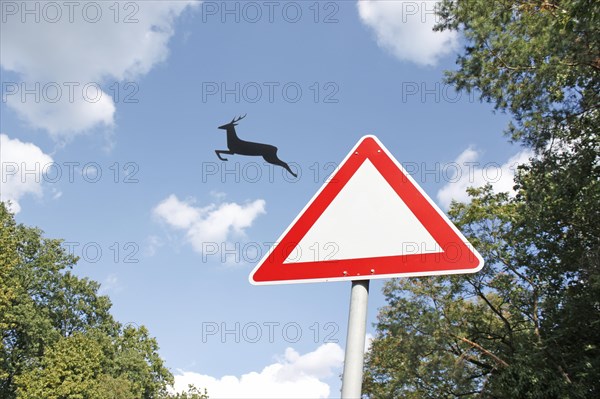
(72, 368)
(448, 336)
(527, 325)
(537, 59)
(8, 263)
(478, 335)
(58, 339)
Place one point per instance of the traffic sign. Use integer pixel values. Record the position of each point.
(369, 220)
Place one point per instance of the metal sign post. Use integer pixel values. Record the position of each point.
(355, 340)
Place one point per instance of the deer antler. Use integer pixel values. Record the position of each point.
(234, 120)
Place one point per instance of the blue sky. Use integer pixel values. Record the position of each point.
(109, 122)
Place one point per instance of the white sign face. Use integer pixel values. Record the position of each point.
(367, 219)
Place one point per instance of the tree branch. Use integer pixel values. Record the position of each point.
(482, 349)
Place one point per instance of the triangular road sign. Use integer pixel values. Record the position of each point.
(370, 220)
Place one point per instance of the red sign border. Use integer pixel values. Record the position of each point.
(458, 256)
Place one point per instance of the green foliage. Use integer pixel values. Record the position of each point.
(58, 339)
(8, 263)
(71, 368)
(537, 59)
(494, 334)
(528, 324)
(443, 337)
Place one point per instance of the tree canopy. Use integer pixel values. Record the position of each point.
(528, 324)
(59, 340)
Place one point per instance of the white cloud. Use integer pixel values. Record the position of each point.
(405, 29)
(64, 117)
(218, 195)
(111, 284)
(22, 165)
(467, 172)
(56, 194)
(293, 376)
(208, 224)
(152, 244)
(75, 44)
(368, 341)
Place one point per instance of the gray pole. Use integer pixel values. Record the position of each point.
(355, 341)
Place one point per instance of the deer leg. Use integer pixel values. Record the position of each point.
(272, 159)
(219, 152)
(285, 165)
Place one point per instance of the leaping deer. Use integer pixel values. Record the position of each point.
(241, 147)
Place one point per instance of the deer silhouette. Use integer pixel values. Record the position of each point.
(237, 146)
